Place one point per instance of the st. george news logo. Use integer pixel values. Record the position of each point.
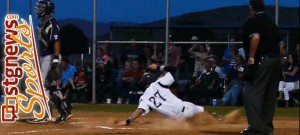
(21, 63)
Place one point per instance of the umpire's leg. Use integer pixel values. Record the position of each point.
(254, 94)
(269, 102)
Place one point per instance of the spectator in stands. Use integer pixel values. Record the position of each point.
(79, 84)
(228, 57)
(132, 53)
(183, 75)
(122, 71)
(129, 82)
(215, 64)
(298, 52)
(103, 75)
(150, 54)
(160, 58)
(234, 89)
(112, 59)
(215, 67)
(290, 78)
(199, 52)
(100, 55)
(201, 91)
(229, 63)
(174, 55)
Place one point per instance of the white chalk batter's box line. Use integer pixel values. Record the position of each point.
(45, 130)
(32, 131)
(120, 128)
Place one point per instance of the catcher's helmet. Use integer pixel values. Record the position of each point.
(44, 7)
(148, 78)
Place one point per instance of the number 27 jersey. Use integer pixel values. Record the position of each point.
(161, 99)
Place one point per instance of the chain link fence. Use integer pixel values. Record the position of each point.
(143, 22)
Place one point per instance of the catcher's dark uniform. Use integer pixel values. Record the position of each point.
(48, 34)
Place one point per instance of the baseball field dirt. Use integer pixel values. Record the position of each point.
(105, 123)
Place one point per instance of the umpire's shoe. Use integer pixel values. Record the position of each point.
(250, 132)
(60, 119)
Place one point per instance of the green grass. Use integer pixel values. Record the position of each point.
(279, 112)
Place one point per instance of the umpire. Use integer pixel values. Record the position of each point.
(263, 45)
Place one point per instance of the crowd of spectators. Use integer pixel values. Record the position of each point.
(199, 81)
(200, 74)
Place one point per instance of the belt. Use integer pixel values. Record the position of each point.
(183, 108)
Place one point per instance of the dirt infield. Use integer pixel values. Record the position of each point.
(104, 123)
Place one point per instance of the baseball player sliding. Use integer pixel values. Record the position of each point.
(159, 97)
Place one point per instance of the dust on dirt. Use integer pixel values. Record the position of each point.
(100, 123)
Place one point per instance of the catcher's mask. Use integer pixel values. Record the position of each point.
(44, 7)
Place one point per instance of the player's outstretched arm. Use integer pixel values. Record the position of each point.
(156, 67)
(137, 113)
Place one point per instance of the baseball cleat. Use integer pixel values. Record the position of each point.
(60, 119)
(50, 119)
(37, 121)
(69, 116)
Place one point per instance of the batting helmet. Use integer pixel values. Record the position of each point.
(44, 7)
(148, 78)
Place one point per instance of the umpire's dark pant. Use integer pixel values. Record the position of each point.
(260, 96)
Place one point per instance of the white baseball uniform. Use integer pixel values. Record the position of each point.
(158, 97)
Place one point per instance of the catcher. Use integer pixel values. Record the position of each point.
(49, 45)
(159, 97)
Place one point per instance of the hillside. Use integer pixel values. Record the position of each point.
(221, 16)
(87, 26)
(228, 16)
(234, 15)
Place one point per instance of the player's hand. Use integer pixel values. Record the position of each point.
(250, 61)
(64, 86)
(153, 66)
(123, 123)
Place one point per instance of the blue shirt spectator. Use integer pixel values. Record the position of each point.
(67, 71)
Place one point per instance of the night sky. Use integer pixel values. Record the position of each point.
(138, 11)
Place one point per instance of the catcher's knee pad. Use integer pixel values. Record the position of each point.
(64, 105)
(58, 94)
